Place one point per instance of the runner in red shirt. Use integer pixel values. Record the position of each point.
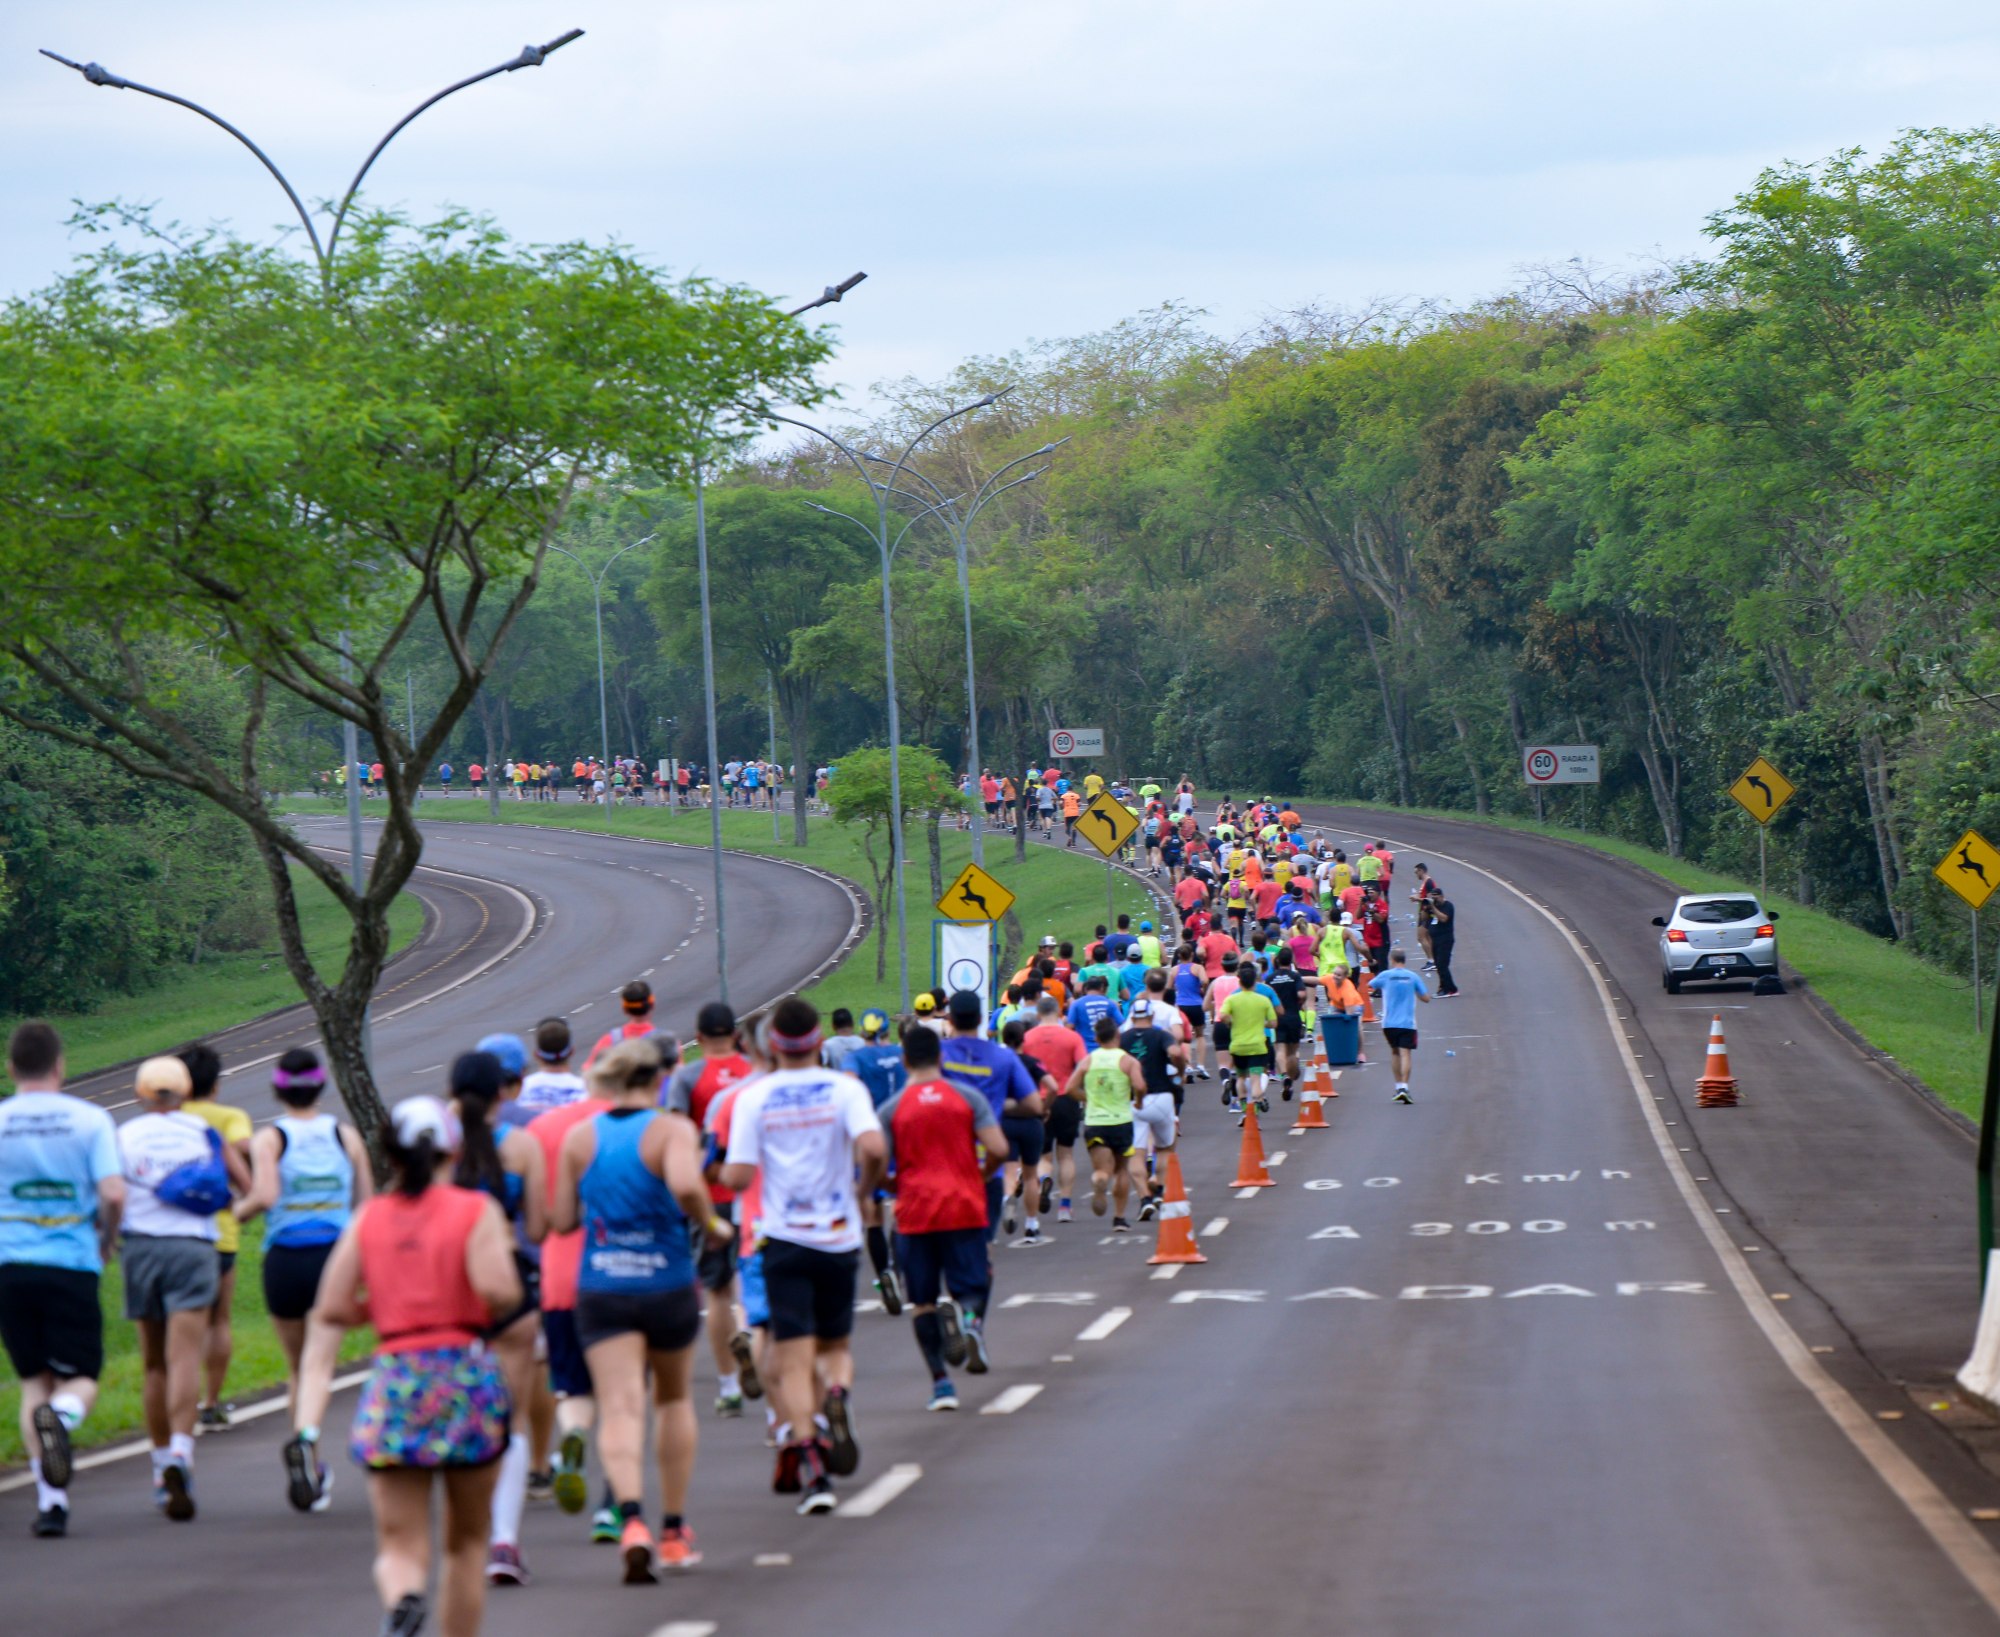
(1216, 951)
(637, 999)
(1264, 896)
(1058, 1048)
(1191, 894)
(943, 1144)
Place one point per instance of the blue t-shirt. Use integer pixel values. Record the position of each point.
(1084, 1012)
(54, 1149)
(991, 1070)
(1131, 981)
(1115, 945)
(880, 1069)
(1397, 988)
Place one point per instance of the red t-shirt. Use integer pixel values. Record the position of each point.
(1190, 892)
(631, 1029)
(1351, 899)
(717, 1075)
(930, 1128)
(1216, 949)
(1056, 1047)
(1267, 895)
(562, 1253)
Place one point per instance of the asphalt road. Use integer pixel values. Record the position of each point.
(1481, 1365)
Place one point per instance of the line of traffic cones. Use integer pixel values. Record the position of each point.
(1717, 1086)
(1176, 1242)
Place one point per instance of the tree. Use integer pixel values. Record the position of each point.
(205, 446)
(860, 795)
(773, 563)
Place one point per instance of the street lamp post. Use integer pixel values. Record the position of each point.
(529, 56)
(959, 525)
(881, 491)
(597, 599)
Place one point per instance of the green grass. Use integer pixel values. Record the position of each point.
(1916, 1012)
(217, 994)
(258, 1365)
(1057, 892)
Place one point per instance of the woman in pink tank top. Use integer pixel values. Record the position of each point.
(429, 1265)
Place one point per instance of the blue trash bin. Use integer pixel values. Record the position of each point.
(1343, 1038)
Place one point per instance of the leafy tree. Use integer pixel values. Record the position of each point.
(204, 446)
(861, 794)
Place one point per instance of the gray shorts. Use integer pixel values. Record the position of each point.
(168, 1275)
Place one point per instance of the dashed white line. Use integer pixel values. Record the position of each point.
(1214, 1226)
(1104, 1324)
(1275, 1159)
(878, 1494)
(686, 1628)
(1014, 1398)
(1248, 1193)
(1170, 1270)
(771, 1560)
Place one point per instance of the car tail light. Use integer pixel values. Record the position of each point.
(1676, 936)
(1767, 932)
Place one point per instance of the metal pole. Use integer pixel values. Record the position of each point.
(971, 710)
(603, 715)
(1989, 1119)
(771, 707)
(1110, 894)
(1762, 890)
(895, 756)
(410, 703)
(1978, 1003)
(714, 757)
(357, 871)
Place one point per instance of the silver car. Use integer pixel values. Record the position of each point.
(1717, 935)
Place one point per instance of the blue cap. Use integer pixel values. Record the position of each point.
(1145, 926)
(508, 1049)
(874, 1022)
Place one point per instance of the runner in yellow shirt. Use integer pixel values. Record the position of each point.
(233, 1126)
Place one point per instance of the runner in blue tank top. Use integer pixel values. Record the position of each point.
(631, 1179)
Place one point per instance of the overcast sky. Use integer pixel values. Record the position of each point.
(1003, 170)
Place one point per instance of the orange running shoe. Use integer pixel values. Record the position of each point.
(677, 1548)
(635, 1545)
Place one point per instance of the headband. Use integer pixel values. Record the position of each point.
(794, 1045)
(551, 1057)
(638, 1008)
(313, 1079)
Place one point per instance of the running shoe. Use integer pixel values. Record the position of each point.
(818, 1496)
(52, 1522)
(1100, 1195)
(571, 1486)
(173, 1494)
(1048, 1195)
(325, 1501)
(604, 1526)
(1032, 1238)
(1402, 1094)
(305, 1478)
(635, 1547)
(1149, 1207)
(678, 1551)
(1287, 1090)
(212, 1418)
(1063, 1214)
(1007, 1217)
(892, 1298)
(977, 1360)
(785, 1478)
(1120, 1225)
(1263, 1102)
(1201, 1073)
(729, 1405)
(406, 1619)
(504, 1566)
(843, 1454)
(951, 1333)
(541, 1486)
(52, 1442)
(743, 1350)
(944, 1396)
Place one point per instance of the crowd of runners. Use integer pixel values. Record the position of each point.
(557, 1226)
(621, 781)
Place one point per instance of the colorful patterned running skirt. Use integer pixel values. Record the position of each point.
(439, 1407)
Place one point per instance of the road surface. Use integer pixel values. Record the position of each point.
(1481, 1365)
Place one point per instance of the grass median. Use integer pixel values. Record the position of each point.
(1917, 1013)
(1057, 891)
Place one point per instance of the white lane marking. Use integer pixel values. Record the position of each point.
(1062, 1358)
(880, 1493)
(1953, 1534)
(1054, 1298)
(1022, 1393)
(1248, 1193)
(771, 1560)
(142, 1446)
(1169, 1270)
(1275, 1159)
(1214, 1226)
(1104, 1324)
(686, 1628)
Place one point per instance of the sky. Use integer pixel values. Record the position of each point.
(1004, 171)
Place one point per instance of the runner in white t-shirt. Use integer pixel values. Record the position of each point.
(806, 1129)
(552, 1085)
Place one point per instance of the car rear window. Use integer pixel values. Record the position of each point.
(1719, 911)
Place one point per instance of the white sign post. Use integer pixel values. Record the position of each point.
(965, 958)
(1076, 742)
(1559, 764)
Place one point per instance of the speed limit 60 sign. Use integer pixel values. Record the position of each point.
(1560, 764)
(1076, 741)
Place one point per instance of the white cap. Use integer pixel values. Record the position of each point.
(418, 1117)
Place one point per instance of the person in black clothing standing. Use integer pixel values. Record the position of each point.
(1444, 936)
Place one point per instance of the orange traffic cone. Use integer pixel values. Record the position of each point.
(1250, 1172)
(1717, 1086)
(1311, 1116)
(1367, 1001)
(1176, 1241)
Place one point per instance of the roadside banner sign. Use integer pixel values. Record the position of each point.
(1762, 790)
(1971, 869)
(1106, 823)
(1076, 741)
(975, 896)
(962, 957)
(1560, 764)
